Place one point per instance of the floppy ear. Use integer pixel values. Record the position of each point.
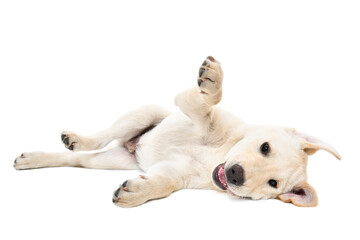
(302, 195)
(311, 145)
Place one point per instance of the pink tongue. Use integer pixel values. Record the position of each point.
(221, 175)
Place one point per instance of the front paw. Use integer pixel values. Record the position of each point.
(132, 193)
(210, 76)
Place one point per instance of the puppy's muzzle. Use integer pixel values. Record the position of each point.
(235, 175)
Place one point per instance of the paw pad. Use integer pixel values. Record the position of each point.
(69, 140)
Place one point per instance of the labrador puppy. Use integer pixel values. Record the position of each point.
(200, 147)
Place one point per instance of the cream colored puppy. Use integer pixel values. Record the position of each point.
(200, 147)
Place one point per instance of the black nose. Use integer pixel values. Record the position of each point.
(235, 175)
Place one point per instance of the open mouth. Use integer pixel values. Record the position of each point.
(219, 178)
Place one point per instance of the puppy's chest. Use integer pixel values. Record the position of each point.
(150, 149)
(189, 151)
(174, 139)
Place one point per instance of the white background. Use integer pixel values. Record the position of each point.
(78, 65)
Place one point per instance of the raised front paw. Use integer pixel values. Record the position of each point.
(210, 76)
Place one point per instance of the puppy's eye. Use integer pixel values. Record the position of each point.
(272, 183)
(265, 148)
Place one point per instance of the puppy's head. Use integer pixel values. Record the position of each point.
(270, 162)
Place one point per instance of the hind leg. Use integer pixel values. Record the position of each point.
(125, 128)
(115, 158)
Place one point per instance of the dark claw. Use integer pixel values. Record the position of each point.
(66, 140)
(208, 79)
(15, 161)
(204, 63)
(116, 193)
(124, 184)
(71, 147)
(62, 137)
(199, 82)
(201, 71)
(113, 200)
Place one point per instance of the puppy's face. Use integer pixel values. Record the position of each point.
(270, 162)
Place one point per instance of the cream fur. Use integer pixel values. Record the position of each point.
(184, 148)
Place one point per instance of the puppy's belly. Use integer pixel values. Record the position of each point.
(151, 150)
(132, 144)
(148, 152)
